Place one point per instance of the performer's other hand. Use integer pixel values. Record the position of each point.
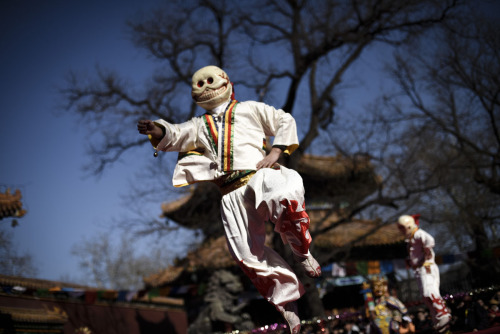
(270, 159)
(147, 127)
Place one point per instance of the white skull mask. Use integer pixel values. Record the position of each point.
(406, 225)
(210, 87)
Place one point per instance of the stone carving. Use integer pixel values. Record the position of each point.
(221, 305)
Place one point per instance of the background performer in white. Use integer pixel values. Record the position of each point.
(421, 260)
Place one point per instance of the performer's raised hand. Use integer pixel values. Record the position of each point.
(148, 127)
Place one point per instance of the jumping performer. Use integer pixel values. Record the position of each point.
(421, 260)
(227, 146)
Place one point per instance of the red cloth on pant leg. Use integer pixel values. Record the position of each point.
(295, 226)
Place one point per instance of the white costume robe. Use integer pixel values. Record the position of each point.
(230, 141)
(427, 273)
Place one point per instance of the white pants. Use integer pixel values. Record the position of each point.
(428, 283)
(276, 195)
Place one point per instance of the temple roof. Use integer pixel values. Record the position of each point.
(10, 204)
(34, 315)
(359, 233)
(212, 254)
(360, 240)
(201, 204)
(330, 177)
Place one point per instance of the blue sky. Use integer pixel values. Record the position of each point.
(43, 153)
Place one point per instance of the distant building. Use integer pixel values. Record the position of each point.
(41, 306)
(11, 205)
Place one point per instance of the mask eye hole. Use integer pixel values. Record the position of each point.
(210, 80)
(199, 83)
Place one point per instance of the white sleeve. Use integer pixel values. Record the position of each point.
(427, 240)
(178, 137)
(279, 124)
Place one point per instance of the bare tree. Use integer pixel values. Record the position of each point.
(117, 264)
(11, 261)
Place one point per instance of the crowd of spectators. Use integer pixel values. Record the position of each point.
(475, 312)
